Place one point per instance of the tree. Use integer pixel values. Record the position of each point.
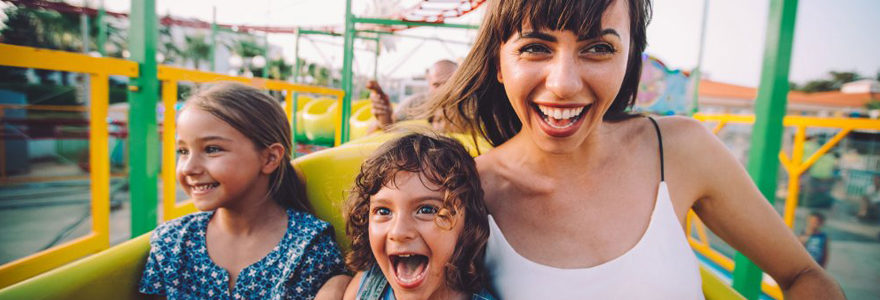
(834, 83)
(196, 50)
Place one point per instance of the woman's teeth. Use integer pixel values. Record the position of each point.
(560, 117)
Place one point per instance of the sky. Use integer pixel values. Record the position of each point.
(829, 35)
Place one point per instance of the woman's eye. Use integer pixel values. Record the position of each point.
(212, 149)
(534, 49)
(601, 49)
(182, 151)
(427, 210)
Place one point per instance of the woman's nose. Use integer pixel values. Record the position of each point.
(563, 78)
(402, 229)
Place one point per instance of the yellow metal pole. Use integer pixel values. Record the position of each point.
(288, 105)
(99, 158)
(794, 174)
(718, 127)
(169, 188)
(824, 149)
(337, 120)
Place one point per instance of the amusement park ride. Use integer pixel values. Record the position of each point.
(89, 268)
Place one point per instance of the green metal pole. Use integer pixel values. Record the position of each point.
(347, 75)
(695, 105)
(297, 64)
(376, 61)
(767, 133)
(214, 39)
(144, 136)
(266, 55)
(102, 30)
(296, 70)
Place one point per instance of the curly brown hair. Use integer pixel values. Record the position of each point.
(445, 163)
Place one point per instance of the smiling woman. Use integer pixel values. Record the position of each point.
(585, 199)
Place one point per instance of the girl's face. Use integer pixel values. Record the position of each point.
(217, 165)
(409, 246)
(561, 84)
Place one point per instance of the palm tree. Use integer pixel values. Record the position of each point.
(197, 50)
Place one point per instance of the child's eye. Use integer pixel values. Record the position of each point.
(427, 210)
(182, 151)
(381, 211)
(212, 149)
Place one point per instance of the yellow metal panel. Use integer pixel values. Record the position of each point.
(715, 289)
(99, 158)
(180, 209)
(169, 184)
(28, 57)
(48, 259)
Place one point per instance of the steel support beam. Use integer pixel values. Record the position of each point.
(143, 132)
(767, 133)
(347, 76)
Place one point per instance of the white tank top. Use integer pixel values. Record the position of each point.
(660, 266)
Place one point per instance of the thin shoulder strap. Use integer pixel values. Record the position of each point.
(660, 140)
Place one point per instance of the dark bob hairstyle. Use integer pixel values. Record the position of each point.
(475, 100)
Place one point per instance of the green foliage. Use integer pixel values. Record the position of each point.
(873, 104)
(279, 69)
(833, 83)
(196, 50)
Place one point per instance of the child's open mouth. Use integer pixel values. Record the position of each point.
(409, 269)
(202, 188)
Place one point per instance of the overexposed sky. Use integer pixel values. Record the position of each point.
(837, 35)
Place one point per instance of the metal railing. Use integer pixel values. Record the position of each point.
(100, 69)
(99, 237)
(794, 164)
(170, 77)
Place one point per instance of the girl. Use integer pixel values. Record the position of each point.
(587, 200)
(255, 237)
(417, 223)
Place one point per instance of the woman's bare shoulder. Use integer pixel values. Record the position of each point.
(686, 136)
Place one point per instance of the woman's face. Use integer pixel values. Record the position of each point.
(561, 84)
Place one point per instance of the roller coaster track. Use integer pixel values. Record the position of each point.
(426, 11)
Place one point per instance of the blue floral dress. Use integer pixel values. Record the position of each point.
(179, 266)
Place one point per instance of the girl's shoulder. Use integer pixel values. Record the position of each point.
(305, 221)
(175, 230)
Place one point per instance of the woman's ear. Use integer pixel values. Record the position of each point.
(272, 157)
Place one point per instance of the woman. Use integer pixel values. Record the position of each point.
(586, 200)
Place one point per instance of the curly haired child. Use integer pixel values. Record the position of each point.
(417, 223)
